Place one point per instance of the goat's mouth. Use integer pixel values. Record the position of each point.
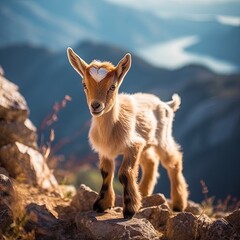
(97, 112)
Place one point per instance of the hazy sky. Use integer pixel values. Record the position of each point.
(137, 3)
(223, 7)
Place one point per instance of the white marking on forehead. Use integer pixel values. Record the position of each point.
(98, 74)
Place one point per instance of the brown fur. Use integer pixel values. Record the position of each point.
(139, 127)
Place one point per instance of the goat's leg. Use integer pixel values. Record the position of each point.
(128, 174)
(106, 197)
(149, 162)
(171, 159)
(179, 189)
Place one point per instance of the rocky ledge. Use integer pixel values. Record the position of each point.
(50, 215)
(19, 154)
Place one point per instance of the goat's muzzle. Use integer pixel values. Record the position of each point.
(96, 108)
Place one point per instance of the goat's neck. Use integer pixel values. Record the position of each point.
(107, 120)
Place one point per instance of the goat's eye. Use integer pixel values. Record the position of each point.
(84, 86)
(112, 88)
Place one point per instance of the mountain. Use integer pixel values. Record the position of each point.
(206, 125)
(52, 25)
(55, 25)
(227, 50)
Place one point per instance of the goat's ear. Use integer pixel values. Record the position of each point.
(123, 67)
(77, 63)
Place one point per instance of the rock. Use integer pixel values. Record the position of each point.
(18, 140)
(111, 225)
(156, 215)
(182, 226)
(219, 229)
(203, 223)
(6, 190)
(194, 208)
(84, 199)
(4, 171)
(13, 106)
(5, 184)
(7, 197)
(27, 165)
(42, 221)
(153, 200)
(187, 226)
(149, 201)
(5, 218)
(220, 214)
(23, 132)
(234, 220)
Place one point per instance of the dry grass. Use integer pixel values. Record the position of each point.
(48, 121)
(16, 231)
(214, 208)
(25, 195)
(15, 208)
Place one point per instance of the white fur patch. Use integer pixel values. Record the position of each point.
(98, 74)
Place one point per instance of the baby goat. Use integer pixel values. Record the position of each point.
(138, 126)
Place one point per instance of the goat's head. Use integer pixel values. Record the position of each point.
(101, 81)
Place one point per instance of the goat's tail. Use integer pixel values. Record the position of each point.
(175, 103)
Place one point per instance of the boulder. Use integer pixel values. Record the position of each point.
(149, 201)
(7, 197)
(13, 106)
(111, 225)
(194, 208)
(4, 171)
(157, 215)
(18, 140)
(219, 229)
(48, 226)
(6, 190)
(187, 226)
(234, 220)
(27, 165)
(153, 200)
(14, 131)
(182, 226)
(42, 221)
(84, 198)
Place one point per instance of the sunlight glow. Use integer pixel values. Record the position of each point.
(229, 20)
(172, 55)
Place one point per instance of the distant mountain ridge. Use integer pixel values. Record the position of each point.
(206, 125)
(53, 25)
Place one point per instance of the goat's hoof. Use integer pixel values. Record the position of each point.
(179, 206)
(98, 207)
(127, 214)
(176, 209)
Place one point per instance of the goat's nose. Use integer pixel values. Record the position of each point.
(95, 105)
